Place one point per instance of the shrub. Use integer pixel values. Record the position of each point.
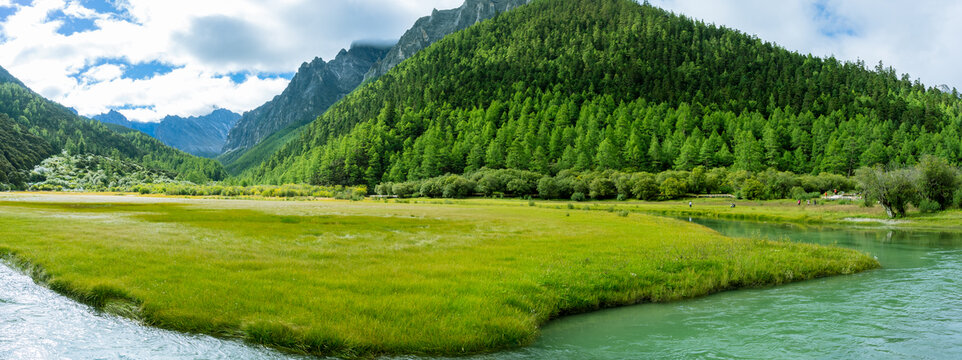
(458, 187)
(753, 189)
(798, 193)
(672, 188)
(927, 206)
(644, 186)
(578, 196)
(937, 181)
(894, 190)
(602, 188)
(548, 188)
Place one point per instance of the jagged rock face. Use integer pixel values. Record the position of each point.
(315, 87)
(429, 29)
(201, 136)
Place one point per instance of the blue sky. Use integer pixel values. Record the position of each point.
(152, 58)
(148, 59)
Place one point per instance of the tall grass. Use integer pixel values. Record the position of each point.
(370, 278)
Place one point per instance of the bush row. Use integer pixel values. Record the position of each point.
(290, 190)
(600, 185)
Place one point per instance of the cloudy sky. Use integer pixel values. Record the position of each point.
(151, 58)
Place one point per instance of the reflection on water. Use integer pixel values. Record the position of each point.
(36, 323)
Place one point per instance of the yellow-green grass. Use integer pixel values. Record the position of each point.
(368, 278)
(825, 213)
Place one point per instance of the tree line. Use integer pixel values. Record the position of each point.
(610, 184)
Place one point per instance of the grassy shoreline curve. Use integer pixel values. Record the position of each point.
(360, 279)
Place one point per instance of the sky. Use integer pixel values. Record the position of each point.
(149, 58)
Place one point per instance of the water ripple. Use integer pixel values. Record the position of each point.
(36, 323)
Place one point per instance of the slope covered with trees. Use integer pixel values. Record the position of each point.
(46, 128)
(612, 84)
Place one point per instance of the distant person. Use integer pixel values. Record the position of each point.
(689, 204)
(799, 202)
(815, 202)
(808, 202)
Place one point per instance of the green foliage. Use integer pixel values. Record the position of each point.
(94, 173)
(927, 206)
(613, 85)
(604, 185)
(672, 188)
(937, 181)
(753, 190)
(578, 196)
(19, 151)
(894, 190)
(49, 128)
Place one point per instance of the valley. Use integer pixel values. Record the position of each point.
(503, 179)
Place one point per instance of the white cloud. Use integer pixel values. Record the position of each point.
(202, 40)
(920, 37)
(206, 40)
(103, 73)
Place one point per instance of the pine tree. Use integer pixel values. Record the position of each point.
(608, 156)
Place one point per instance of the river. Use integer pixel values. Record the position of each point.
(912, 308)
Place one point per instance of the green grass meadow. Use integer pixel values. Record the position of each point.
(370, 278)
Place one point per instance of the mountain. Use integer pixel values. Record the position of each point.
(33, 128)
(268, 128)
(612, 84)
(429, 29)
(315, 87)
(202, 136)
(19, 151)
(5, 77)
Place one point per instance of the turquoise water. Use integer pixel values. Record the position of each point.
(910, 309)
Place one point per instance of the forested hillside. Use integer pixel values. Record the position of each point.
(612, 84)
(37, 128)
(318, 85)
(19, 150)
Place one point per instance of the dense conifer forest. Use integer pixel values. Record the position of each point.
(614, 85)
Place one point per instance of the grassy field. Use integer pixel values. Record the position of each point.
(825, 213)
(366, 278)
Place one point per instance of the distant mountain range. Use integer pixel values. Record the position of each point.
(198, 135)
(318, 84)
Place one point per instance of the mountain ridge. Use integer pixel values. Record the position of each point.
(197, 135)
(423, 33)
(429, 29)
(315, 86)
